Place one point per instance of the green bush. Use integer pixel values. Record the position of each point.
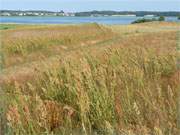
(143, 20)
(161, 18)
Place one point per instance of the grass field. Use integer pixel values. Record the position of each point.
(90, 79)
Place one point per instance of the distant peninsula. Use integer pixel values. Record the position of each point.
(88, 13)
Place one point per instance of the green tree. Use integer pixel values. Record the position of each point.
(161, 18)
(178, 17)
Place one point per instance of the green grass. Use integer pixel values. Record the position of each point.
(7, 26)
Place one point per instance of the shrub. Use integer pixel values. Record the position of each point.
(178, 17)
(161, 18)
(143, 20)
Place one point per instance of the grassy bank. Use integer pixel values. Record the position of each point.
(91, 79)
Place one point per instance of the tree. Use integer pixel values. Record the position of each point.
(161, 18)
(178, 17)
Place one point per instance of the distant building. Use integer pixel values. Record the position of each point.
(41, 14)
(29, 13)
(149, 16)
(71, 14)
(36, 14)
(5, 14)
(125, 15)
(21, 14)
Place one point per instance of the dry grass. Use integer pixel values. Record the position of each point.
(25, 45)
(107, 80)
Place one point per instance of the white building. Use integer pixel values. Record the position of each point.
(5, 14)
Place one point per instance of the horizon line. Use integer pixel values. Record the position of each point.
(92, 10)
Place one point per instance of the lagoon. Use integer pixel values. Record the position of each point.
(74, 20)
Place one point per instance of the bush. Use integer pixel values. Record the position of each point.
(161, 18)
(143, 20)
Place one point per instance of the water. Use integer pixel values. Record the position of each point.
(75, 20)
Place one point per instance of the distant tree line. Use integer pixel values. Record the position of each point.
(100, 13)
(137, 13)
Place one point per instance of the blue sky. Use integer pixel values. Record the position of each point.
(87, 5)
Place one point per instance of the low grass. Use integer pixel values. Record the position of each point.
(6, 26)
(105, 82)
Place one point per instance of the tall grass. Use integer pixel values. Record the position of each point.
(122, 80)
(127, 90)
(22, 45)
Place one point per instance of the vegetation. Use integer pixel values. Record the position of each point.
(89, 13)
(98, 80)
(161, 18)
(178, 17)
(143, 20)
(137, 13)
(6, 26)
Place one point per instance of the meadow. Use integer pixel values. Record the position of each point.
(90, 79)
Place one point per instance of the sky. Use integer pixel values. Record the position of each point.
(88, 5)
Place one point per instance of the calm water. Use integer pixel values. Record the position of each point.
(75, 20)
